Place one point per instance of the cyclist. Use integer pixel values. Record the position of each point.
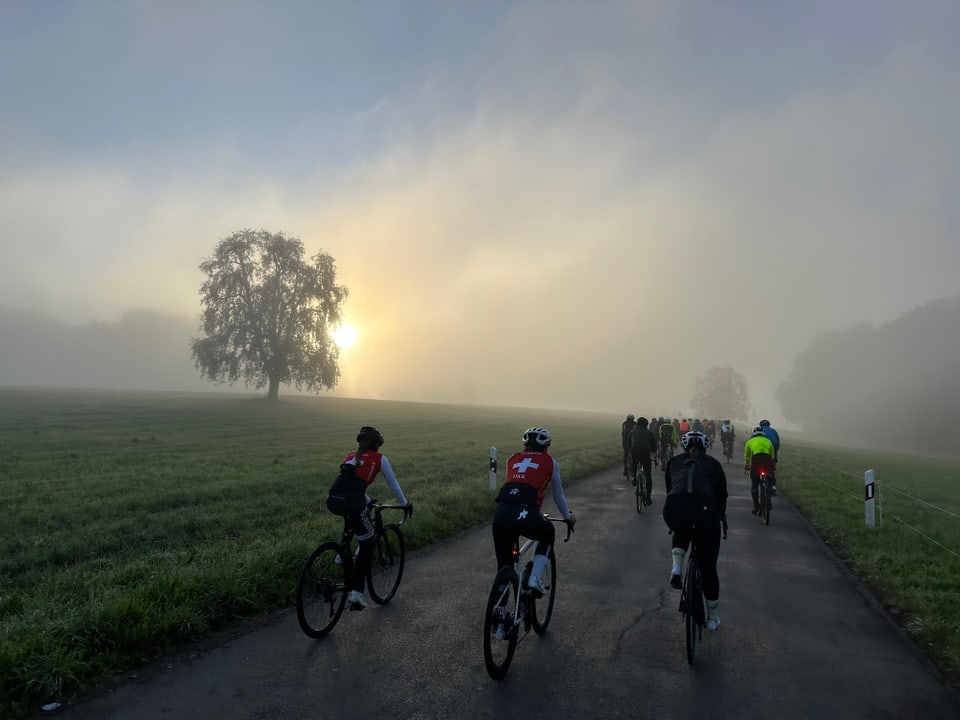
(669, 440)
(643, 444)
(348, 497)
(625, 429)
(696, 508)
(759, 456)
(711, 431)
(529, 472)
(727, 436)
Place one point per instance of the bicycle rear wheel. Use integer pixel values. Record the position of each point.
(387, 566)
(500, 625)
(322, 590)
(765, 502)
(693, 609)
(542, 607)
(638, 491)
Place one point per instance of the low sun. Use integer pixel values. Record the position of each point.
(344, 336)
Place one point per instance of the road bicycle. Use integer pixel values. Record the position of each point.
(513, 608)
(693, 605)
(728, 448)
(641, 487)
(328, 576)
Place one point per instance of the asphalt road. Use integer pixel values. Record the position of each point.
(799, 638)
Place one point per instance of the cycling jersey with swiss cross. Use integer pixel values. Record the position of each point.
(531, 468)
(368, 464)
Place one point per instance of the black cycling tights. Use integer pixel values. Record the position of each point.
(689, 516)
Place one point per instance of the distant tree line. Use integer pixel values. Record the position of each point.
(895, 385)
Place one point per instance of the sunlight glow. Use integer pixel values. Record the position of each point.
(344, 336)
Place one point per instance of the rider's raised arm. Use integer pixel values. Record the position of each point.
(557, 485)
(387, 469)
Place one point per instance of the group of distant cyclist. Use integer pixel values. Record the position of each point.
(695, 508)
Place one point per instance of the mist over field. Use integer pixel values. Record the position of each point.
(535, 204)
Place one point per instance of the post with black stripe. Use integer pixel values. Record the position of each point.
(869, 497)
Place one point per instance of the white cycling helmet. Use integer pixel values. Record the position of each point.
(695, 437)
(536, 436)
(757, 431)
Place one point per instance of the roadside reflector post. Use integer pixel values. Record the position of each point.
(493, 468)
(869, 497)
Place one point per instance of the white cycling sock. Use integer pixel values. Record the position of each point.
(539, 565)
(677, 554)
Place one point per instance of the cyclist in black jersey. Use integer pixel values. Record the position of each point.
(696, 507)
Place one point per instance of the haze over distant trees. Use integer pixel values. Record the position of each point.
(893, 386)
(143, 350)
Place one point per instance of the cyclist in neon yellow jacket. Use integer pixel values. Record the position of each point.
(759, 456)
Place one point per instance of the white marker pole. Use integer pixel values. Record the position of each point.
(493, 468)
(869, 497)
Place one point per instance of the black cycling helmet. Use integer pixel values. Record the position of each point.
(642, 421)
(536, 436)
(695, 437)
(370, 436)
(764, 423)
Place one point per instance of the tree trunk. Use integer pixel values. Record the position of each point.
(274, 392)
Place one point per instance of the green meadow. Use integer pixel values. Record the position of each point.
(910, 560)
(134, 523)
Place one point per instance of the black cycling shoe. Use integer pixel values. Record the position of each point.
(676, 582)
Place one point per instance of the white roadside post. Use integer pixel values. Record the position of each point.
(869, 497)
(493, 468)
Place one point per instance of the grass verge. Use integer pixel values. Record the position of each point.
(910, 560)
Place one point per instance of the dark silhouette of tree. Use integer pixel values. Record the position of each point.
(268, 314)
(721, 393)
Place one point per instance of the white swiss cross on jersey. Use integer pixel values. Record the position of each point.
(525, 464)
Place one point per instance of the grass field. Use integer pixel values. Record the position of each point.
(134, 523)
(911, 560)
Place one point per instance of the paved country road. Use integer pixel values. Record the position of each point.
(800, 638)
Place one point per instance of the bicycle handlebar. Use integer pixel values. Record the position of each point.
(379, 507)
(565, 521)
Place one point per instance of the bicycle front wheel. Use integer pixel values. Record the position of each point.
(387, 566)
(542, 607)
(322, 590)
(501, 627)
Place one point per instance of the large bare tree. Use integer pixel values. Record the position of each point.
(268, 314)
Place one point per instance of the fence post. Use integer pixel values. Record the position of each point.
(493, 468)
(869, 495)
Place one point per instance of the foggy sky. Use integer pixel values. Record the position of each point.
(548, 204)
